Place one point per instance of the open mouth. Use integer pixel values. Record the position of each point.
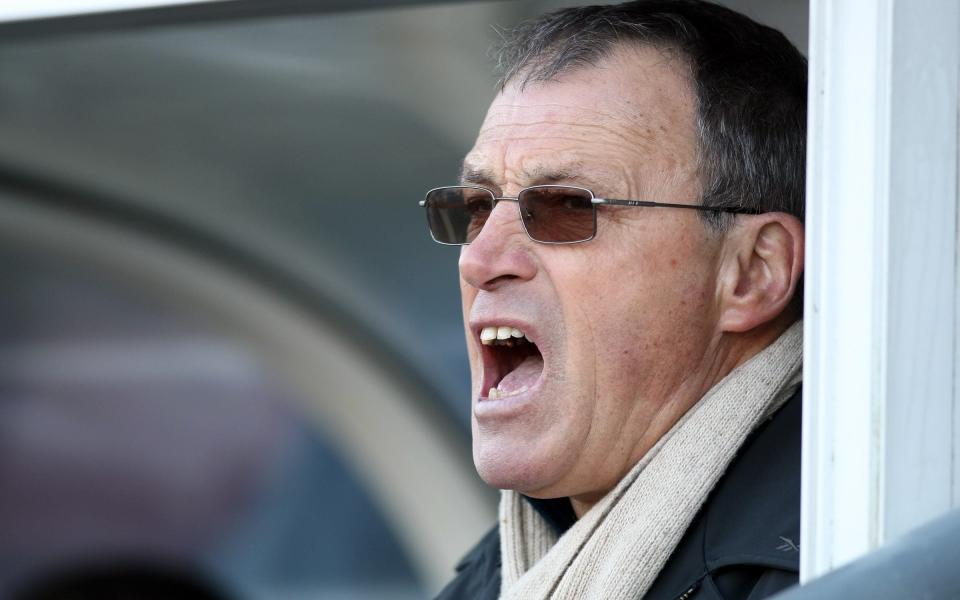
(512, 363)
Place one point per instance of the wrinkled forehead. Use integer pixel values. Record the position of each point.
(636, 105)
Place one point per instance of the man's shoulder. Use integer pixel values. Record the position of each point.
(478, 572)
(754, 513)
(743, 544)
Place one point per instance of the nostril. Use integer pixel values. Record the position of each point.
(488, 271)
(499, 280)
(496, 257)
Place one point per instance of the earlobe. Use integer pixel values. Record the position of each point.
(761, 267)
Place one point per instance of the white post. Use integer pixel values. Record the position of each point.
(880, 401)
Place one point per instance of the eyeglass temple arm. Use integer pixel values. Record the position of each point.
(497, 198)
(615, 202)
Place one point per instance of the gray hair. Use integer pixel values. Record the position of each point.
(750, 84)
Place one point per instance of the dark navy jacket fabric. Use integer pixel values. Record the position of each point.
(743, 545)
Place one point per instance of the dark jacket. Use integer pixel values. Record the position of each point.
(742, 545)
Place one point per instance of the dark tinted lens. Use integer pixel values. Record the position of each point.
(558, 214)
(457, 214)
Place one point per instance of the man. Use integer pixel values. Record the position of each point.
(631, 215)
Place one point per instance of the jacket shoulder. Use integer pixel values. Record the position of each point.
(744, 544)
(478, 572)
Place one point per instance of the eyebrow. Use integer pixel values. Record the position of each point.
(542, 174)
(537, 175)
(476, 176)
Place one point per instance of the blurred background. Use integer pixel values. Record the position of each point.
(226, 339)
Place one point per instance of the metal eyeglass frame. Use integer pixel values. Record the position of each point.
(593, 200)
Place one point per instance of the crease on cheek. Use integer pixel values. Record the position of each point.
(467, 296)
(589, 346)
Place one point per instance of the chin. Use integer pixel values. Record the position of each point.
(507, 467)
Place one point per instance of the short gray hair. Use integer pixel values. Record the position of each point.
(750, 83)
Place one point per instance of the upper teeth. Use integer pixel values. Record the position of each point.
(489, 335)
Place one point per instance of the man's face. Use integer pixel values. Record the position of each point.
(622, 324)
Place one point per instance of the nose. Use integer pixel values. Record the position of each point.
(500, 253)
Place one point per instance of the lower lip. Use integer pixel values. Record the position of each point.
(485, 408)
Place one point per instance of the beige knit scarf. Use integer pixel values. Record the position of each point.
(620, 545)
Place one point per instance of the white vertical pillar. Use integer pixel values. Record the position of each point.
(880, 394)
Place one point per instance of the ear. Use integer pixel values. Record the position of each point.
(760, 270)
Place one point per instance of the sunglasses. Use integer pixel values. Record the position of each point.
(551, 214)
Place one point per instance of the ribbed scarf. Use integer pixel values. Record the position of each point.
(616, 550)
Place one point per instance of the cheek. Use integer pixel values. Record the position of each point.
(639, 306)
(668, 273)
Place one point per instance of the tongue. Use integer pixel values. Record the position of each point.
(525, 375)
